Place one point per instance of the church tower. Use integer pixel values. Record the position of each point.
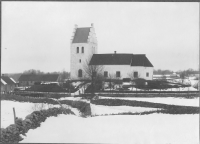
(83, 46)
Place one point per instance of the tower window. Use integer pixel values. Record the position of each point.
(117, 73)
(105, 74)
(77, 50)
(79, 73)
(82, 49)
(80, 61)
(147, 74)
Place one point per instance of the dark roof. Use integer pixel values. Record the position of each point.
(141, 60)
(3, 82)
(194, 72)
(120, 59)
(41, 77)
(7, 80)
(81, 35)
(111, 59)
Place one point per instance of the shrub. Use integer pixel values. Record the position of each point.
(83, 107)
(11, 134)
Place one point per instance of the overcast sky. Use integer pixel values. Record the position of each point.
(36, 35)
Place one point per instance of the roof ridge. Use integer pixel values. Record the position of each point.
(83, 27)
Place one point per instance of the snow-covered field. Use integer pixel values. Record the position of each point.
(102, 110)
(177, 89)
(135, 129)
(170, 89)
(169, 100)
(143, 129)
(22, 109)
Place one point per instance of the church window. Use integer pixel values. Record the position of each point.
(82, 49)
(79, 73)
(105, 74)
(80, 60)
(117, 73)
(77, 50)
(147, 74)
(135, 74)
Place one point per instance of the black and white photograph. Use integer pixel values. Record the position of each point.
(100, 72)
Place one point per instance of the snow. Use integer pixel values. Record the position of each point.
(177, 89)
(2, 81)
(103, 110)
(168, 100)
(192, 77)
(169, 89)
(82, 89)
(75, 110)
(133, 129)
(75, 84)
(194, 82)
(22, 109)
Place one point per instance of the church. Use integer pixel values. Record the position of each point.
(84, 47)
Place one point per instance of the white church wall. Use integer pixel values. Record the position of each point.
(112, 69)
(142, 71)
(127, 70)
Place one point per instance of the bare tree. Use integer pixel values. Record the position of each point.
(33, 71)
(133, 78)
(137, 80)
(93, 73)
(64, 75)
(111, 77)
(131, 75)
(182, 75)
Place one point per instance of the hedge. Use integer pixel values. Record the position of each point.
(181, 95)
(27, 99)
(43, 95)
(170, 109)
(11, 134)
(83, 107)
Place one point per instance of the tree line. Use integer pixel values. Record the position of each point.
(167, 72)
(63, 74)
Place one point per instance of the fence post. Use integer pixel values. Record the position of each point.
(14, 116)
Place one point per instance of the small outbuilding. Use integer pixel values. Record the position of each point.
(7, 84)
(31, 79)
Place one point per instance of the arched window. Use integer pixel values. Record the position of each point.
(117, 73)
(82, 49)
(77, 50)
(135, 74)
(79, 73)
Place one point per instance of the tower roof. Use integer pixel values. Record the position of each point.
(81, 35)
